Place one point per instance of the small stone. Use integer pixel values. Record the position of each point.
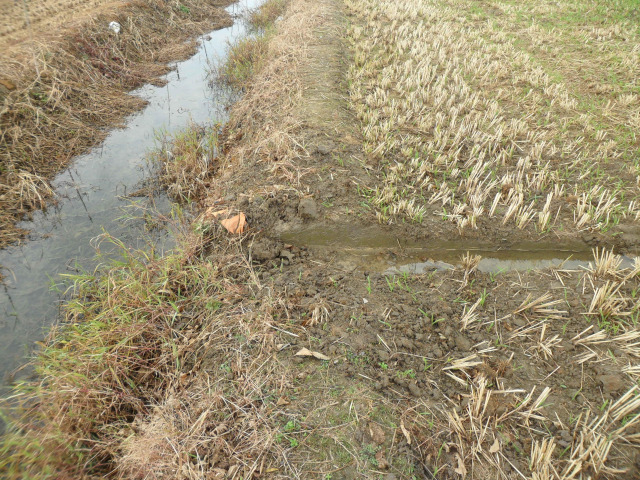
(264, 249)
(382, 461)
(286, 254)
(565, 435)
(324, 149)
(611, 383)
(519, 322)
(377, 434)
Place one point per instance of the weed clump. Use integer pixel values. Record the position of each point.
(187, 161)
(265, 16)
(248, 55)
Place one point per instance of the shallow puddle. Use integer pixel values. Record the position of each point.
(377, 249)
(91, 192)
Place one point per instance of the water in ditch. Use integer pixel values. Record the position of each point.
(92, 197)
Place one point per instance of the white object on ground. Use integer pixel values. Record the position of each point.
(114, 27)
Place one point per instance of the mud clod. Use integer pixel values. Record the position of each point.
(307, 209)
(264, 249)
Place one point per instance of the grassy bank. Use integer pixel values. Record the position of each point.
(127, 341)
(78, 90)
(247, 56)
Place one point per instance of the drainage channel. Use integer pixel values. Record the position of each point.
(376, 249)
(92, 192)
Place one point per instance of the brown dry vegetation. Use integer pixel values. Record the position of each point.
(78, 90)
(43, 17)
(186, 367)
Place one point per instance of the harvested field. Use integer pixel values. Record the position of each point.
(254, 351)
(479, 113)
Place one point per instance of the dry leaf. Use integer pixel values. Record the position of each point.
(217, 213)
(8, 84)
(282, 401)
(212, 213)
(235, 224)
(305, 352)
(405, 432)
(461, 470)
(495, 447)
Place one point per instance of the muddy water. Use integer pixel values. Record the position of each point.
(91, 199)
(378, 249)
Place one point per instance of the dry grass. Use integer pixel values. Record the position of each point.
(218, 421)
(263, 115)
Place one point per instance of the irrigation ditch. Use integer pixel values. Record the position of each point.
(94, 196)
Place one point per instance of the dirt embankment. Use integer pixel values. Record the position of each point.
(248, 357)
(64, 82)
